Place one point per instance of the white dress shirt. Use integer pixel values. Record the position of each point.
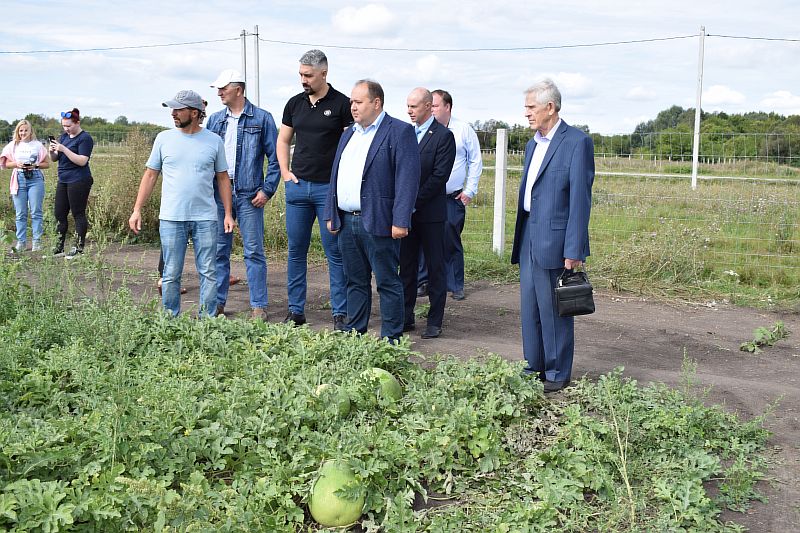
(542, 145)
(231, 137)
(468, 165)
(351, 165)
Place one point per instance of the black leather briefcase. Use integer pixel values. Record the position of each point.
(574, 294)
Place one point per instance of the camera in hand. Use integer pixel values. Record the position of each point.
(29, 165)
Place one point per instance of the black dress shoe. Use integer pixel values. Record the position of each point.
(409, 327)
(422, 290)
(431, 332)
(458, 295)
(294, 318)
(339, 323)
(554, 386)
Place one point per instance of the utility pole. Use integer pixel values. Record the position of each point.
(256, 46)
(696, 141)
(244, 55)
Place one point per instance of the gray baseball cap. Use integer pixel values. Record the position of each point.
(185, 99)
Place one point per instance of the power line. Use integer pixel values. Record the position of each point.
(390, 49)
(110, 48)
(498, 49)
(754, 38)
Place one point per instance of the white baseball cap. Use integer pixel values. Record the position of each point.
(228, 76)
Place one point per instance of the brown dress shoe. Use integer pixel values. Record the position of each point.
(259, 313)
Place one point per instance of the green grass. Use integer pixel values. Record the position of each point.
(733, 240)
(659, 237)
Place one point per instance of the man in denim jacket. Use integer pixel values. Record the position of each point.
(249, 135)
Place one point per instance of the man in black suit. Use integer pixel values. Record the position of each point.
(437, 152)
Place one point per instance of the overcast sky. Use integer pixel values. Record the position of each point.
(608, 88)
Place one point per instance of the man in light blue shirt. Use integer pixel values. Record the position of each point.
(191, 159)
(437, 150)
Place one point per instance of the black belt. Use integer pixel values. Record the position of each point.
(455, 194)
(354, 213)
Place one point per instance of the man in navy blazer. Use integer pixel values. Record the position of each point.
(552, 231)
(374, 182)
(437, 152)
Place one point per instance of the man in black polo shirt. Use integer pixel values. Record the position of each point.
(317, 116)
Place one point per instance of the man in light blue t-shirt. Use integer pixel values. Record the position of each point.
(190, 158)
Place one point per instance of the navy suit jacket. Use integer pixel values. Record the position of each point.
(561, 200)
(437, 152)
(389, 182)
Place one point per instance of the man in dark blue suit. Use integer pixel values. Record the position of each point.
(552, 231)
(374, 184)
(437, 149)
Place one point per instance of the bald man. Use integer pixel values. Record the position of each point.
(437, 152)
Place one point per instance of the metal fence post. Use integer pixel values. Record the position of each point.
(500, 172)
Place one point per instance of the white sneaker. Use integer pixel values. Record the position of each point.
(37, 246)
(20, 246)
(74, 252)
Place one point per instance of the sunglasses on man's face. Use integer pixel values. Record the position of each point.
(67, 114)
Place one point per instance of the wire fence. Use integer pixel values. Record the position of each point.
(743, 219)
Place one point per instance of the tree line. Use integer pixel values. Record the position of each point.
(744, 135)
(756, 134)
(100, 128)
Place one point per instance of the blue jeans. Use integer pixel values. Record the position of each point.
(251, 227)
(174, 235)
(30, 194)
(453, 248)
(305, 201)
(362, 254)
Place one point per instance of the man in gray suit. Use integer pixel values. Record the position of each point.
(552, 231)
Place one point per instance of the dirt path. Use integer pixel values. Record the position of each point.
(647, 338)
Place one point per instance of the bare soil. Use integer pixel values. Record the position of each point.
(646, 337)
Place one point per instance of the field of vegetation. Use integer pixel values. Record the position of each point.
(115, 418)
(728, 239)
(736, 240)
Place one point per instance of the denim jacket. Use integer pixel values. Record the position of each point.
(255, 138)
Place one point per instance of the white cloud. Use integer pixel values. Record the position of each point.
(572, 84)
(427, 68)
(783, 102)
(632, 122)
(286, 91)
(641, 94)
(372, 19)
(718, 95)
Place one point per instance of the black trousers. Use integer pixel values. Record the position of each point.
(72, 197)
(429, 238)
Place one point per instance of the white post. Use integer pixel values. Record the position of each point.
(500, 171)
(244, 55)
(256, 46)
(696, 141)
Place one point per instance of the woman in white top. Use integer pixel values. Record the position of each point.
(26, 156)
